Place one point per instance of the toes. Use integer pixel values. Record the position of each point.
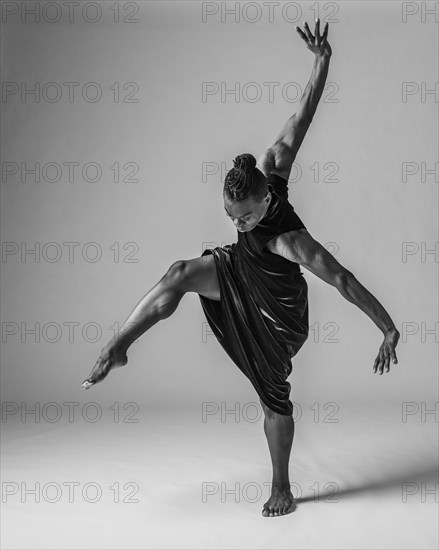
(98, 377)
(271, 510)
(290, 508)
(102, 372)
(99, 372)
(281, 508)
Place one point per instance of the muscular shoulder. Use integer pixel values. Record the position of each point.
(292, 245)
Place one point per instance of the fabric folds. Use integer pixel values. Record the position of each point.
(261, 320)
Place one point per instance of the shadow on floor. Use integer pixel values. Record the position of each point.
(414, 477)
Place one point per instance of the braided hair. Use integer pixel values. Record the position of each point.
(244, 179)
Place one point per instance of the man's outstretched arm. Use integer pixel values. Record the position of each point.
(279, 158)
(299, 246)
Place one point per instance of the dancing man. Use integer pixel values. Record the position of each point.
(253, 292)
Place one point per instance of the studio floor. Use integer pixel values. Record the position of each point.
(144, 478)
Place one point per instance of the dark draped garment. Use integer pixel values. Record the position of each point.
(261, 320)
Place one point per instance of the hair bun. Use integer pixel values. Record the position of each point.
(245, 162)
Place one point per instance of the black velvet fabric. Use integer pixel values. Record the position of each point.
(252, 278)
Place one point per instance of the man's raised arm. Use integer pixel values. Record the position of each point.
(279, 158)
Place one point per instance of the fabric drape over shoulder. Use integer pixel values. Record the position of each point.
(261, 320)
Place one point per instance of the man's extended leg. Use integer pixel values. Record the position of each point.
(195, 275)
(279, 430)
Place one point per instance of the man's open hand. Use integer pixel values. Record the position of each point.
(386, 352)
(317, 44)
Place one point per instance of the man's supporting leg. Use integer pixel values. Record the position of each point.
(279, 430)
(196, 275)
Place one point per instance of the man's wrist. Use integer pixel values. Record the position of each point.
(323, 57)
(390, 329)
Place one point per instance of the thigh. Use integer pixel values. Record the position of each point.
(200, 276)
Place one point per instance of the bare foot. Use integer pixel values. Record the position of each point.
(111, 357)
(280, 503)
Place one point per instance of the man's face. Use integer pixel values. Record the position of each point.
(246, 214)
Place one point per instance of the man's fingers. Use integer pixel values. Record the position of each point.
(387, 362)
(325, 32)
(391, 354)
(308, 32)
(375, 364)
(382, 361)
(381, 364)
(302, 34)
(317, 29)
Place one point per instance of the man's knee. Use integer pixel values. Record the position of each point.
(269, 413)
(272, 415)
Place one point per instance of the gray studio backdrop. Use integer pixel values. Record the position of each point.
(112, 169)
